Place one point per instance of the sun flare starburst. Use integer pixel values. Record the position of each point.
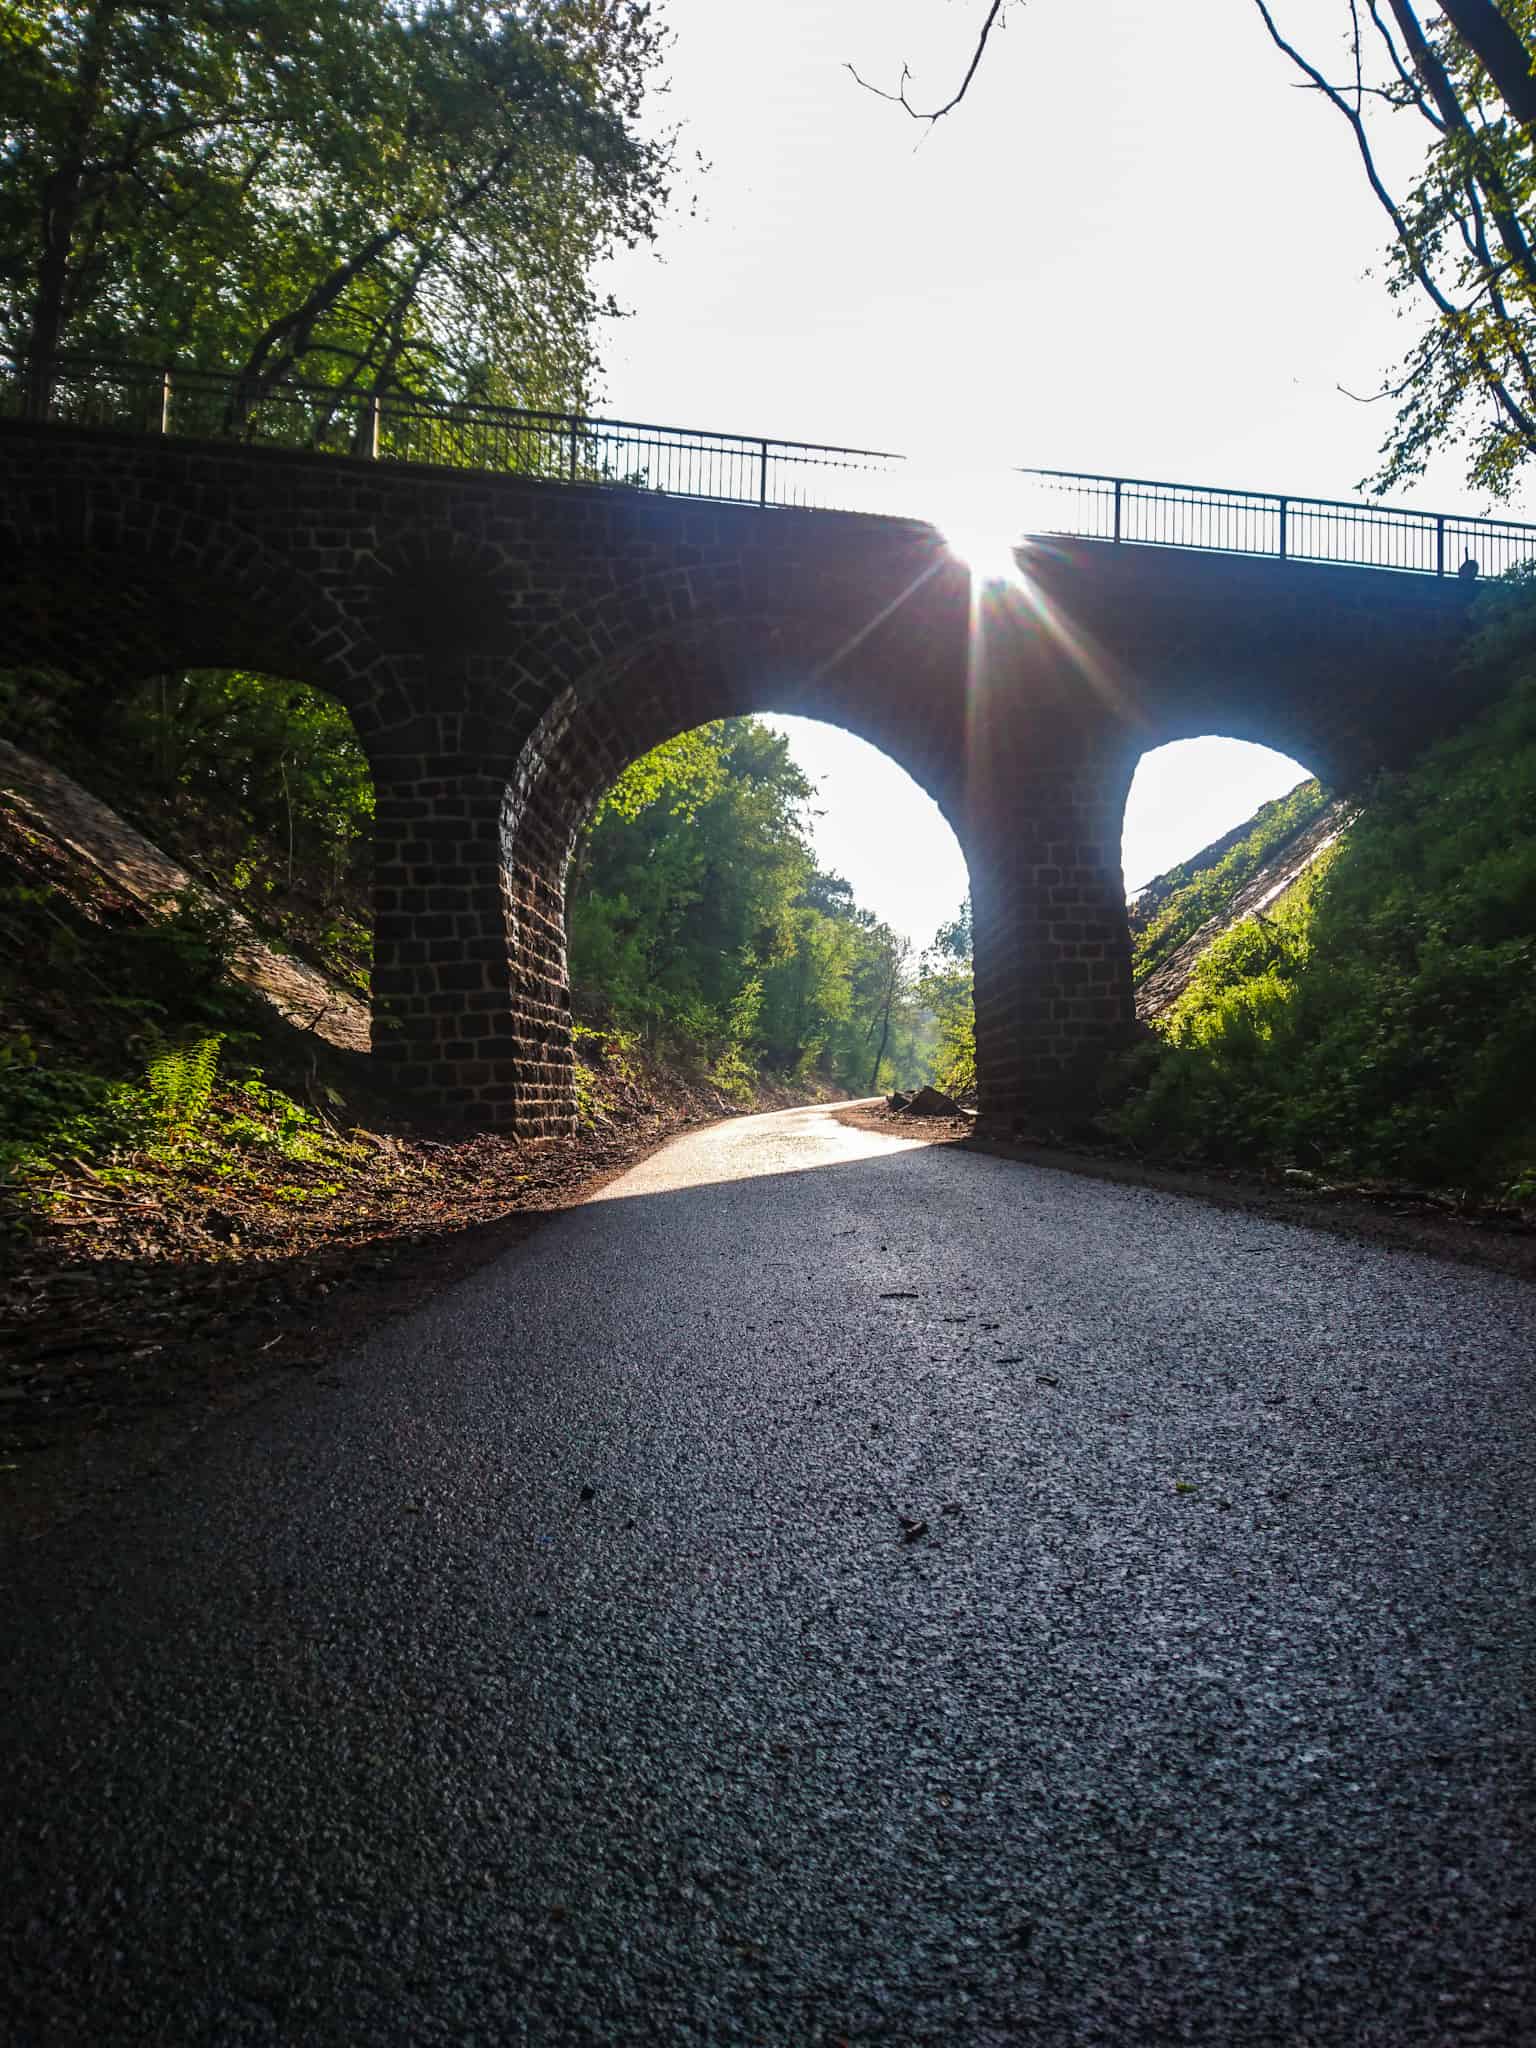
(990, 557)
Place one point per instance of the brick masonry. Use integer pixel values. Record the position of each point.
(506, 648)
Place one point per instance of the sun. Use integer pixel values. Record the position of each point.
(986, 553)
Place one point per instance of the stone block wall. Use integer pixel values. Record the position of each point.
(507, 647)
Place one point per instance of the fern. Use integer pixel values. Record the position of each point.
(181, 1077)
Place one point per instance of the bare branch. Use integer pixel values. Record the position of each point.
(899, 97)
(1362, 141)
(1496, 385)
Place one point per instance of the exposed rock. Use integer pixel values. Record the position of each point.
(1284, 866)
(932, 1102)
(51, 802)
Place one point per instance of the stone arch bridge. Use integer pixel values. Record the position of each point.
(507, 646)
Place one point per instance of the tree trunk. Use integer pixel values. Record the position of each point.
(1484, 167)
(1500, 51)
(61, 212)
(885, 1019)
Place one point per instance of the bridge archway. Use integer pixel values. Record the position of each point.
(763, 895)
(466, 620)
(112, 609)
(502, 1051)
(1187, 794)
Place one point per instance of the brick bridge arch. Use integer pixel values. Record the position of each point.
(506, 647)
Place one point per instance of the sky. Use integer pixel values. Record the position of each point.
(1136, 248)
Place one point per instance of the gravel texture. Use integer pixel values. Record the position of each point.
(824, 1589)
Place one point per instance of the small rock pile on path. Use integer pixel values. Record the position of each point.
(925, 1102)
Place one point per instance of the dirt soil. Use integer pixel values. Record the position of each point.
(1402, 1219)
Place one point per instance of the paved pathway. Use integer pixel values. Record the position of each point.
(560, 1671)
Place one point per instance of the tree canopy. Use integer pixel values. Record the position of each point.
(380, 194)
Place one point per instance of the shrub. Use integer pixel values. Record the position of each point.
(1382, 1020)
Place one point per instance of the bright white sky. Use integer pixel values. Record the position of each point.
(1135, 248)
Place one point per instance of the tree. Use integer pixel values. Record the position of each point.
(686, 885)
(375, 195)
(995, 11)
(698, 915)
(946, 987)
(891, 967)
(1463, 229)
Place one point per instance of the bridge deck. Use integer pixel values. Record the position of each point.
(733, 468)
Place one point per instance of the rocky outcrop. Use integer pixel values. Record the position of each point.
(1283, 868)
(52, 803)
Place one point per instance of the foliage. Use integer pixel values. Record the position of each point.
(177, 965)
(259, 785)
(178, 1122)
(1464, 228)
(51, 1113)
(1175, 907)
(112, 1030)
(683, 773)
(699, 920)
(272, 771)
(180, 1079)
(373, 195)
(946, 987)
(1383, 1019)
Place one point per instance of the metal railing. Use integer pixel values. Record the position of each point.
(1143, 513)
(550, 446)
(749, 469)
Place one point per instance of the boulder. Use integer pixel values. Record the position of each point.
(932, 1102)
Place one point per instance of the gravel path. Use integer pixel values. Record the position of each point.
(825, 1589)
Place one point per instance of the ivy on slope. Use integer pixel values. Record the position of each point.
(1381, 1020)
(1173, 908)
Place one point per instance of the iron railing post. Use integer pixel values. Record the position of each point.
(762, 475)
(1283, 535)
(165, 401)
(1440, 544)
(1119, 487)
(574, 433)
(375, 424)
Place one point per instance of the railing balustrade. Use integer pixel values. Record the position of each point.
(748, 469)
(1141, 512)
(550, 446)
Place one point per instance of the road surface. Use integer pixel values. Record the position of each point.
(825, 1589)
